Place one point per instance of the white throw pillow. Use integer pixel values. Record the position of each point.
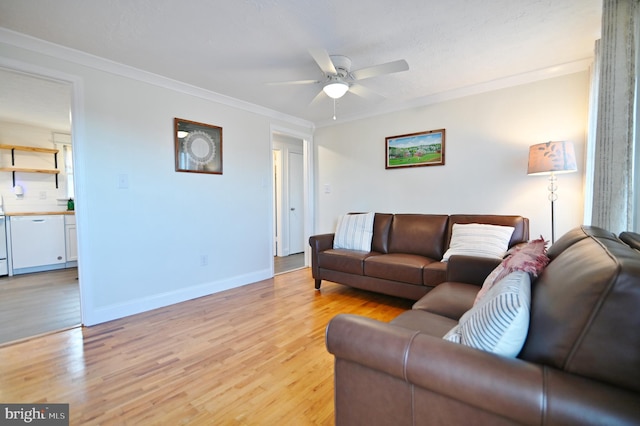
(499, 323)
(477, 239)
(354, 232)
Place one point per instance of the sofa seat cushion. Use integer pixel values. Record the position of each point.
(425, 322)
(450, 299)
(406, 268)
(434, 274)
(342, 260)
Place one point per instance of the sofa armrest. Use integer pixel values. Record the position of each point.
(446, 380)
(319, 243)
(470, 269)
(450, 370)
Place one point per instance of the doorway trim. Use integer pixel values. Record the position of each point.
(308, 185)
(77, 120)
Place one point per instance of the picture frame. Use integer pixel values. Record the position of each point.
(415, 149)
(198, 147)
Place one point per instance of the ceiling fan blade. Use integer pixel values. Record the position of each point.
(315, 100)
(323, 60)
(284, 83)
(388, 68)
(364, 92)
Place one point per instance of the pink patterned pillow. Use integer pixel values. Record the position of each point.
(530, 257)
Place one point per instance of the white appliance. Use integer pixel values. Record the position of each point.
(37, 241)
(4, 267)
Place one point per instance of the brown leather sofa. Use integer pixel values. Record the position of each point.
(406, 253)
(580, 364)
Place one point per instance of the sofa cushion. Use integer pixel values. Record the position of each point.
(528, 257)
(406, 268)
(632, 239)
(434, 273)
(341, 260)
(425, 322)
(584, 310)
(478, 239)
(450, 299)
(420, 234)
(519, 223)
(354, 232)
(381, 226)
(499, 322)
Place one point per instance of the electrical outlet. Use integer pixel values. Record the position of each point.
(204, 260)
(43, 195)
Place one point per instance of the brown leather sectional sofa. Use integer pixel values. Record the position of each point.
(580, 364)
(406, 253)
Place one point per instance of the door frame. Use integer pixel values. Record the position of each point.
(77, 119)
(308, 185)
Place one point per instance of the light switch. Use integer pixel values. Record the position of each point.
(123, 181)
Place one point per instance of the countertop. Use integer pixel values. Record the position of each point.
(37, 213)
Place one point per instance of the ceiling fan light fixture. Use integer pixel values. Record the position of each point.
(335, 89)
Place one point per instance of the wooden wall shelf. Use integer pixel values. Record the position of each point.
(34, 149)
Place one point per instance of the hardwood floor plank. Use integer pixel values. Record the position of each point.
(33, 304)
(253, 355)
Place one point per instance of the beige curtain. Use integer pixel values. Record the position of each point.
(614, 203)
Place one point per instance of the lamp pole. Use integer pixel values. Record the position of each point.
(553, 196)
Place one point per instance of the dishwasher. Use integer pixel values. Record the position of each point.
(37, 241)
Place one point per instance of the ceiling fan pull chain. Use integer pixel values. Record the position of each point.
(334, 109)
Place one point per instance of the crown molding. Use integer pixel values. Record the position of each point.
(57, 51)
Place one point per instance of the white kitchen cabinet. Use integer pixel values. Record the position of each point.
(71, 238)
(37, 241)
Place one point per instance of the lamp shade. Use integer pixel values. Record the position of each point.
(336, 89)
(551, 157)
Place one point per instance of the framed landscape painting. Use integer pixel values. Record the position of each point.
(415, 149)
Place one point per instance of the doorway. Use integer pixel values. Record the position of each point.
(39, 111)
(290, 212)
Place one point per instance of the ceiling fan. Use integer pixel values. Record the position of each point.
(339, 79)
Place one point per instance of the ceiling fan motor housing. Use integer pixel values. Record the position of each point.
(342, 65)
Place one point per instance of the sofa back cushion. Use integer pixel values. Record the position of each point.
(421, 234)
(381, 225)
(519, 223)
(585, 309)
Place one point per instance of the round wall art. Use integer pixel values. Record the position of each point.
(198, 147)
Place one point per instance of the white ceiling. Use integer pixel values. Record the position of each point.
(235, 47)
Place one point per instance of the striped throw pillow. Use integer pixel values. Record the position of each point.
(477, 239)
(354, 232)
(499, 323)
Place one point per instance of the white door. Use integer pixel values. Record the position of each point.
(296, 205)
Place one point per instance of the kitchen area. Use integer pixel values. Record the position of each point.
(38, 211)
(39, 288)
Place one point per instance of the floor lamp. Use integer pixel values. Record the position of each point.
(551, 158)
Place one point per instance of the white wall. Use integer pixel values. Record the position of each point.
(487, 142)
(143, 246)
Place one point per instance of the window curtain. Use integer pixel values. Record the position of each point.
(614, 149)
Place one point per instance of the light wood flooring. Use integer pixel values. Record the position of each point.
(253, 355)
(292, 262)
(37, 303)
